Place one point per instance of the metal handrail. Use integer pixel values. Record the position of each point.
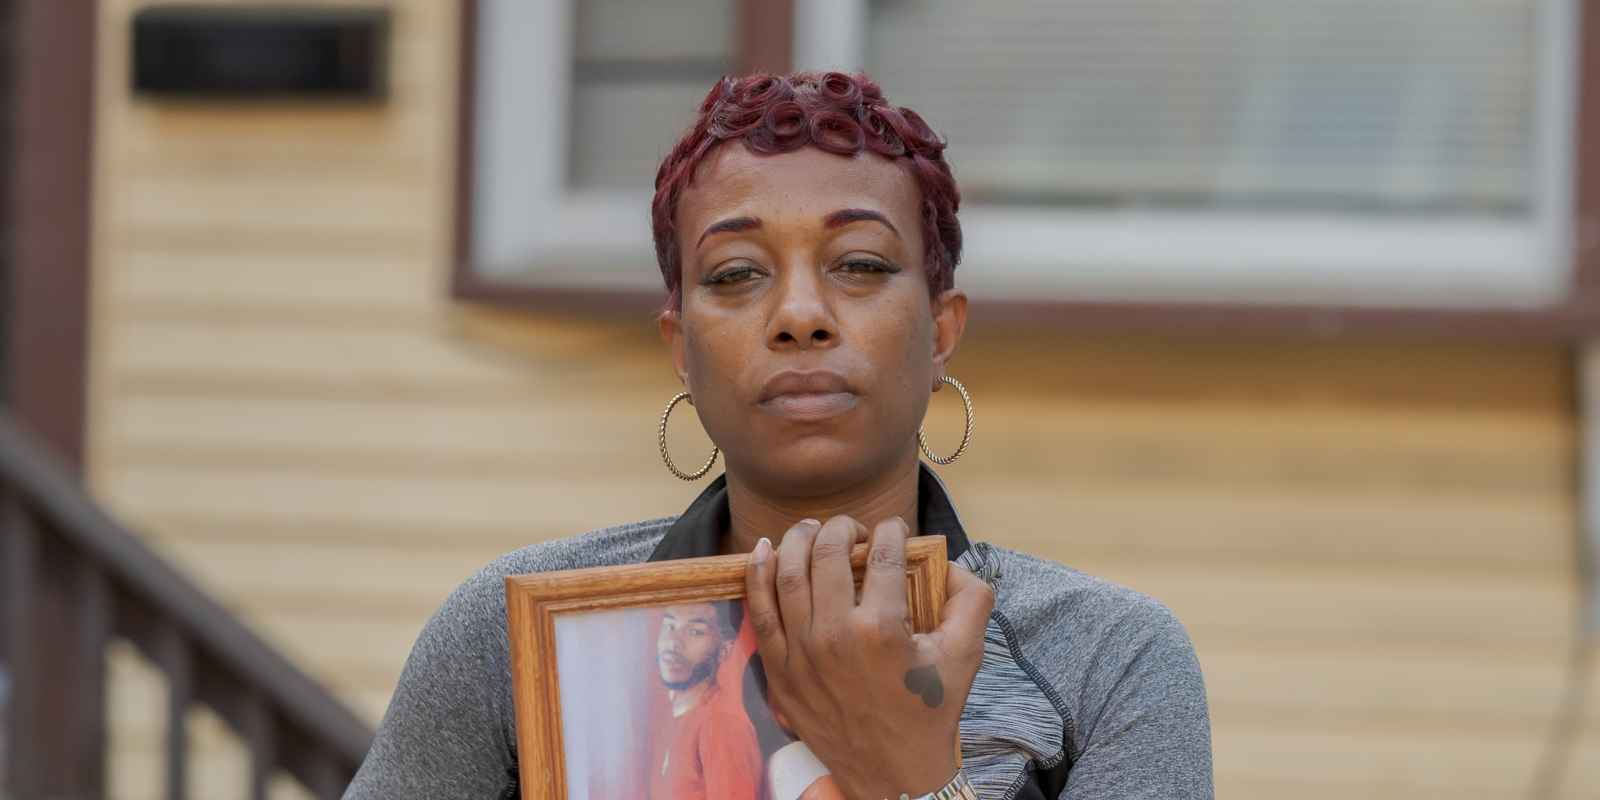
(71, 580)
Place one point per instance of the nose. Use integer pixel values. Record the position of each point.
(803, 318)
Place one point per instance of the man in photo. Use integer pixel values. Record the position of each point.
(707, 747)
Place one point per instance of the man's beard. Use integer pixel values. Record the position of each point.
(702, 671)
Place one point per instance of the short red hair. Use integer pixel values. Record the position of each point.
(832, 111)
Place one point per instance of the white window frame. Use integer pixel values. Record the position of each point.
(527, 225)
(530, 228)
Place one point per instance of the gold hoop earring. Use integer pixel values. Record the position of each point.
(661, 437)
(966, 435)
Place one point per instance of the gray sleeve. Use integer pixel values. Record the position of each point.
(1145, 730)
(449, 730)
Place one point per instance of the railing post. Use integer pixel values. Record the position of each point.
(95, 621)
(177, 661)
(261, 736)
(58, 622)
(328, 781)
(19, 563)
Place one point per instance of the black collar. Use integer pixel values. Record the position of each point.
(701, 528)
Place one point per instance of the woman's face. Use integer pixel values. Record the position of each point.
(806, 335)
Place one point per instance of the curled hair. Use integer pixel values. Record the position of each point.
(832, 111)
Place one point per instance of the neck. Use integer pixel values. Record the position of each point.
(754, 514)
(684, 700)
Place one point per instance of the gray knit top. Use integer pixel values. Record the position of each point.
(1087, 691)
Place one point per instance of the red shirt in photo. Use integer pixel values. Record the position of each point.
(709, 753)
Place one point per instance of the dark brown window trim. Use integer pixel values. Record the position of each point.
(1586, 176)
(51, 158)
(765, 44)
(765, 36)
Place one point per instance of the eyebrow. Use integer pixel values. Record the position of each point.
(845, 216)
(730, 225)
(692, 619)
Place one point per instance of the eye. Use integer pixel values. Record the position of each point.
(736, 273)
(862, 266)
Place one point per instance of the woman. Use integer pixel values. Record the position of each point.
(806, 230)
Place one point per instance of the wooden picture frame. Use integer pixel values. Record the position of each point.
(535, 603)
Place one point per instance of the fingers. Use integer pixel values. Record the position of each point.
(967, 605)
(833, 594)
(761, 603)
(883, 593)
(793, 578)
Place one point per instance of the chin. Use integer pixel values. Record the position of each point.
(817, 465)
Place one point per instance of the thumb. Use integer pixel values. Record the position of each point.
(967, 605)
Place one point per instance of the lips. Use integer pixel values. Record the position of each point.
(810, 395)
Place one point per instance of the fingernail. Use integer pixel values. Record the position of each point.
(809, 523)
(763, 550)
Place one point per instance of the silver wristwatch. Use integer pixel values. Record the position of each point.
(959, 788)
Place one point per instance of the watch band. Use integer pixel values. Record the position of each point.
(959, 788)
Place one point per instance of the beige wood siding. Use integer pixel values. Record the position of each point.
(1372, 544)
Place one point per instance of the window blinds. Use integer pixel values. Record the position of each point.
(640, 69)
(1415, 106)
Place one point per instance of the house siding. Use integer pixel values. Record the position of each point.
(1373, 544)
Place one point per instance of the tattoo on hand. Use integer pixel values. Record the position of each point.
(924, 681)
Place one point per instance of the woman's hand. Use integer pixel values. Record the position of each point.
(878, 704)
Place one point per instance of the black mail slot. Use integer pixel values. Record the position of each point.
(268, 53)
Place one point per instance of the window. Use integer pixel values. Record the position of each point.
(639, 68)
(1407, 153)
(574, 103)
(1378, 152)
(1402, 106)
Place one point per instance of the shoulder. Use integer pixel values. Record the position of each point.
(618, 544)
(484, 590)
(472, 619)
(725, 720)
(450, 727)
(1044, 598)
(725, 730)
(1097, 644)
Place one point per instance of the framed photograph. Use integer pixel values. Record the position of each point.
(643, 681)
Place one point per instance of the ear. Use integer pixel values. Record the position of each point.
(949, 323)
(670, 323)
